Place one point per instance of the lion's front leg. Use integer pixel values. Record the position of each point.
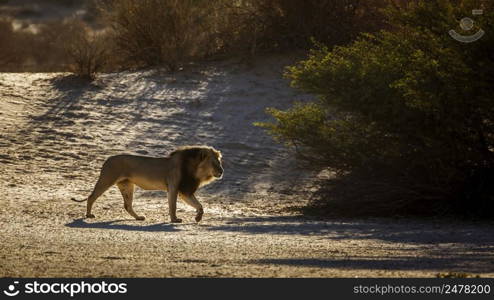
(172, 205)
(192, 201)
(199, 214)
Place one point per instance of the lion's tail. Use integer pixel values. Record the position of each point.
(74, 199)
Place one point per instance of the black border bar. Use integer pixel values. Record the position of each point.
(247, 288)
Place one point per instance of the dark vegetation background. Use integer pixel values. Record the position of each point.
(61, 35)
(404, 117)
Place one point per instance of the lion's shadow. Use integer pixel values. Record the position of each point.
(160, 227)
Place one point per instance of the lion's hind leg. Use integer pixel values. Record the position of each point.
(127, 189)
(105, 181)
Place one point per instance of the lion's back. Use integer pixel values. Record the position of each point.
(133, 165)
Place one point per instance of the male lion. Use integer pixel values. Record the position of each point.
(181, 173)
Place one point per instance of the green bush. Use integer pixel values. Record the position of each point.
(409, 103)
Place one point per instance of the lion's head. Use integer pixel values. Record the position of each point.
(200, 166)
(210, 164)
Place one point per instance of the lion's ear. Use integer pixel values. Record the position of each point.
(219, 155)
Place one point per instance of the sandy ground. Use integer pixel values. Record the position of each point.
(56, 131)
